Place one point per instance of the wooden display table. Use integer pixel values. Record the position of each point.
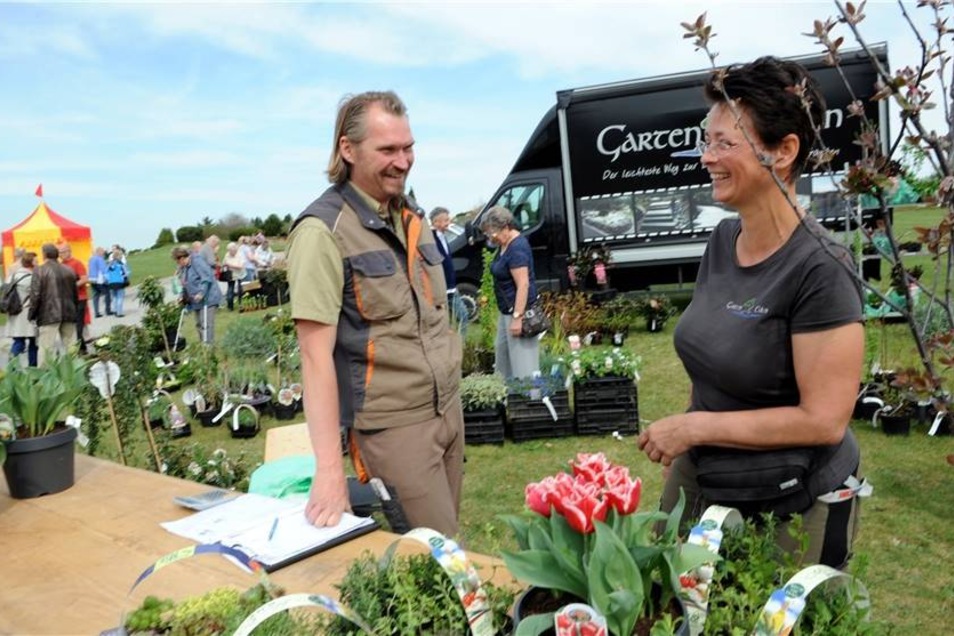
(69, 559)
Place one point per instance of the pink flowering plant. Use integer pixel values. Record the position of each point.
(586, 538)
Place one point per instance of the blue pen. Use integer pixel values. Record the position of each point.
(271, 533)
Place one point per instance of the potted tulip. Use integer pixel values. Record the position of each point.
(36, 447)
(585, 542)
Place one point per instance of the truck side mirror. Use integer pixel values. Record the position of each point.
(473, 233)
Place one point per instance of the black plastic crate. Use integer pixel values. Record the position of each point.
(484, 427)
(605, 390)
(521, 408)
(529, 419)
(543, 428)
(603, 420)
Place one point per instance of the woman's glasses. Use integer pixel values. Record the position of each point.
(717, 148)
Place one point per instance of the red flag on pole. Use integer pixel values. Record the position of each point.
(39, 191)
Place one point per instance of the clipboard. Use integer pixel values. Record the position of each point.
(274, 532)
(344, 538)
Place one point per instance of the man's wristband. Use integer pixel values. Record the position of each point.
(517, 315)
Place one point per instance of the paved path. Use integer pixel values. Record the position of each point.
(100, 326)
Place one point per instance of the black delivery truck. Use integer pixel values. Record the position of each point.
(616, 164)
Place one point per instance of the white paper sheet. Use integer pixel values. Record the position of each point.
(247, 521)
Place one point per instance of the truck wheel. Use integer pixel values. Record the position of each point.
(468, 298)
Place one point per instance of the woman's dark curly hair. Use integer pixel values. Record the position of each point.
(768, 91)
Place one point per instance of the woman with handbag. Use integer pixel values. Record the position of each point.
(233, 271)
(772, 340)
(515, 355)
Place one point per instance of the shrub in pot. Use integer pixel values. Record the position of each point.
(410, 594)
(482, 392)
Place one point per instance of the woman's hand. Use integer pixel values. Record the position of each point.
(516, 327)
(667, 438)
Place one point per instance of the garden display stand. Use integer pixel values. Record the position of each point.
(606, 405)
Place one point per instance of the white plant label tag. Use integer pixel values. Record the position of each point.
(104, 376)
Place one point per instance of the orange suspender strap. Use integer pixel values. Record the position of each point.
(412, 232)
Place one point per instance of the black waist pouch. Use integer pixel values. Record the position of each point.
(774, 481)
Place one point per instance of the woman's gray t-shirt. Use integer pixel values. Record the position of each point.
(735, 338)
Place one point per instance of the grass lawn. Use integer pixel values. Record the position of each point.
(906, 532)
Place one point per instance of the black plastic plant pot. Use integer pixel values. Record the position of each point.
(896, 424)
(284, 411)
(182, 431)
(205, 417)
(40, 466)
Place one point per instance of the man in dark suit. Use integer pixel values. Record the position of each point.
(440, 221)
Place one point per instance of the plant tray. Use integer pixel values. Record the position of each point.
(602, 421)
(484, 427)
(543, 428)
(521, 408)
(607, 390)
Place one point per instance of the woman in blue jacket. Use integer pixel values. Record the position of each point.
(117, 279)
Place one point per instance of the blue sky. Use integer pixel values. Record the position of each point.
(137, 116)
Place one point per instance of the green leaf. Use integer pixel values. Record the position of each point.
(540, 568)
(616, 585)
(535, 624)
(569, 547)
(690, 556)
(675, 515)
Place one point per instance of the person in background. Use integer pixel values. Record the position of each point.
(118, 249)
(247, 252)
(377, 353)
(18, 253)
(20, 328)
(97, 278)
(773, 340)
(233, 272)
(440, 221)
(201, 292)
(210, 251)
(117, 278)
(515, 289)
(82, 293)
(53, 304)
(263, 255)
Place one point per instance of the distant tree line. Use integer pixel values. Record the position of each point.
(229, 227)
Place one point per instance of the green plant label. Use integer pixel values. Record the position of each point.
(461, 573)
(786, 604)
(707, 533)
(291, 601)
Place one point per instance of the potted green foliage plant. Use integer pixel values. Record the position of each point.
(36, 447)
(408, 594)
(482, 396)
(657, 310)
(161, 320)
(605, 397)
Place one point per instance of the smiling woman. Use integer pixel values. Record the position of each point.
(772, 340)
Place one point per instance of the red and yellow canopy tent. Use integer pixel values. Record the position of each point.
(46, 226)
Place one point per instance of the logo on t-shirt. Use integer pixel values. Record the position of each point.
(747, 310)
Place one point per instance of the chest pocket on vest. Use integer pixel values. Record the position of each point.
(380, 287)
(435, 271)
